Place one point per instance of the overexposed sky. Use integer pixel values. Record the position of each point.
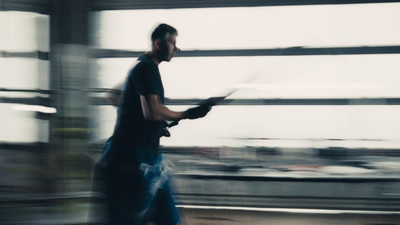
(253, 27)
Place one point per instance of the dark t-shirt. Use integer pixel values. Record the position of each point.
(143, 79)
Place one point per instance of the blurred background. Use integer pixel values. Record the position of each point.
(311, 131)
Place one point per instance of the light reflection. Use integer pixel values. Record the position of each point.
(34, 108)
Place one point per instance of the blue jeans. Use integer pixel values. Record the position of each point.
(138, 189)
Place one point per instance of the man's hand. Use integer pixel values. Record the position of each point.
(197, 112)
(113, 94)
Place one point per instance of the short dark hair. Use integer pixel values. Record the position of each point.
(162, 31)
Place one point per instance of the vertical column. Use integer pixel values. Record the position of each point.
(69, 82)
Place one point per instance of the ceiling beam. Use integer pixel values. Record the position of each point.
(162, 4)
(45, 6)
(361, 50)
(38, 6)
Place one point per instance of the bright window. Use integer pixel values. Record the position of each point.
(265, 77)
(253, 27)
(23, 34)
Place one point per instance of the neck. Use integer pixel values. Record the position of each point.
(153, 56)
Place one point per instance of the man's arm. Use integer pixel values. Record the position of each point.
(154, 110)
(113, 94)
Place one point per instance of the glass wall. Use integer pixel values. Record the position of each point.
(256, 78)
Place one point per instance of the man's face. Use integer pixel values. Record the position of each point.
(167, 48)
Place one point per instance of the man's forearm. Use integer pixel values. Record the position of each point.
(162, 113)
(112, 96)
(155, 111)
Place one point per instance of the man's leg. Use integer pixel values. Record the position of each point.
(166, 213)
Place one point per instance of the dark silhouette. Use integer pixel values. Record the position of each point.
(137, 185)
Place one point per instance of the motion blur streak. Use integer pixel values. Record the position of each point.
(315, 134)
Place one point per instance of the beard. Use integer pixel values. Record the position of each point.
(163, 53)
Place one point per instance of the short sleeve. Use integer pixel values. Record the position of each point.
(146, 79)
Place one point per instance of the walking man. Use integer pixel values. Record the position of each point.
(137, 182)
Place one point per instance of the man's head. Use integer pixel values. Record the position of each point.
(163, 41)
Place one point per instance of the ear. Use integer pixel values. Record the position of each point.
(157, 44)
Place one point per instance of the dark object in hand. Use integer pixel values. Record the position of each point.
(197, 112)
(165, 133)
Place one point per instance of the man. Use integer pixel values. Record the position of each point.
(137, 182)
